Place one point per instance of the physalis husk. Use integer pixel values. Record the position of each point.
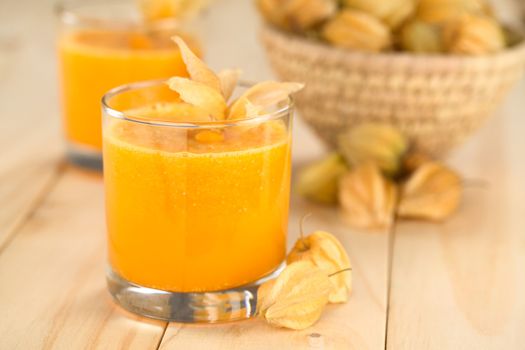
(357, 30)
(296, 298)
(228, 79)
(210, 92)
(367, 198)
(263, 95)
(421, 37)
(252, 110)
(196, 68)
(272, 12)
(304, 14)
(319, 180)
(392, 12)
(296, 14)
(413, 160)
(432, 192)
(326, 252)
(377, 143)
(201, 95)
(443, 11)
(153, 10)
(473, 35)
(399, 14)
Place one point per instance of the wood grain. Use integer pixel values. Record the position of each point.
(53, 293)
(30, 145)
(461, 284)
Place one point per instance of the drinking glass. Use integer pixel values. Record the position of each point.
(197, 212)
(103, 44)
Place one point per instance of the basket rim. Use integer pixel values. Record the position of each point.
(325, 49)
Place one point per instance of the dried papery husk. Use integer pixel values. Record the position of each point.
(392, 12)
(249, 110)
(421, 37)
(228, 79)
(304, 14)
(512, 36)
(272, 12)
(252, 110)
(377, 143)
(296, 298)
(357, 30)
(443, 11)
(367, 198)
(473, 35)
(209, 91)
(197, 69)
(153, 10)
(200, 95)
(256, 129)
(319, 180)
(400, 13)
(326, 252)
(432, 192)
(263, 95)
(413, 160)
(297, 14)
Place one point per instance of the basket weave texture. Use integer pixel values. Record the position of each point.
(437, 101)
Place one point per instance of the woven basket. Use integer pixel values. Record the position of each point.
(436, 100)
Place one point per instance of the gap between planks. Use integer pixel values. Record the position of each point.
(161, 338)
(390, 258)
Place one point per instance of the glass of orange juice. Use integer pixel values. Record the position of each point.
(103, 44)
(196, 212)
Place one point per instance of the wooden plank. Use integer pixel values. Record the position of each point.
(461, 284)
(53, 290)
(30, 145)
(359, 324)
(24, 184)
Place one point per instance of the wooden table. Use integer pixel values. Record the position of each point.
(456, 285)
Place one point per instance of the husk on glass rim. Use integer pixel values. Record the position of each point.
(279, 110)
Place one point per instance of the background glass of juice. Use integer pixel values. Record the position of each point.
(101, 45)
(196, 213)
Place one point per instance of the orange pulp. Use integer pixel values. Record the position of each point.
(193, 211)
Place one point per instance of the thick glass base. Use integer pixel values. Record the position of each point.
(84, 157)
(210, 307)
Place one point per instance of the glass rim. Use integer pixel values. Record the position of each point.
(114, 113)
(66, 12)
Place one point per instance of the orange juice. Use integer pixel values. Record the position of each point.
(95, 61)
(190, 211)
